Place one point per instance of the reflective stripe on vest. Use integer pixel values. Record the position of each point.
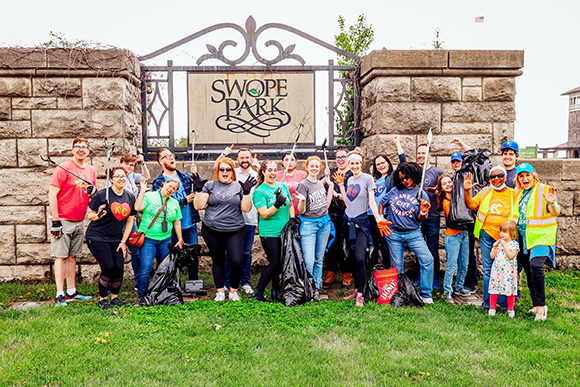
(541, 225)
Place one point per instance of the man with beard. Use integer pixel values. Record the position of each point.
(335, 254)
(185, 198)
(431, 225)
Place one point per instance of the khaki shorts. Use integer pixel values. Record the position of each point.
(70, 241)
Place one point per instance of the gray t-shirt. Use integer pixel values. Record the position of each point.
(357, 194)
(251, 218)
(431, 176)
(223, 211)
(315, 194)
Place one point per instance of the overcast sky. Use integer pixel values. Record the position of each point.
(547, 32)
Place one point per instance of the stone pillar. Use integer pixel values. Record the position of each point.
(47, 98)
(467, 94)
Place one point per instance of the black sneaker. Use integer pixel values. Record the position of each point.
(104, 304)
(60, 301)
(115, 301)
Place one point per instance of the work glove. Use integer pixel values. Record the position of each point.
(425, 205)
(227, 151)
(197, 182)
(384, 228)
(294, 223)
(56, 229)
(248, 184)
(255, 162)
(91, 189)
(338, 177)
(280, 200)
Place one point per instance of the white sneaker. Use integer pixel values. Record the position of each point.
(449, 297)
(220, 296)
(234, 297)
(491, 312)
(511, 313)
(427, 300)
(247, 289)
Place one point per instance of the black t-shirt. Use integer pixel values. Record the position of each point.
(337, 206)
(110, 227)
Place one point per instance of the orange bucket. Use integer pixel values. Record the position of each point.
(388, 284)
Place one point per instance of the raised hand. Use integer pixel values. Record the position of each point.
(299, 196)
(338, 177)
(193, 169)
(396, 137)
(255, 162)
(248, 184)
(551, 196)
(197, 182)
(425, 205)
(468, 182)
(143, 184)
(227, 151)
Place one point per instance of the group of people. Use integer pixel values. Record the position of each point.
(346, 218)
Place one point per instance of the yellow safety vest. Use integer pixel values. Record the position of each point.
(486, 195)
(542, 225)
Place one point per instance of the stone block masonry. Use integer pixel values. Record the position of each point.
(47, 98)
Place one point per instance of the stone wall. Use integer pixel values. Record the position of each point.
(47, 98)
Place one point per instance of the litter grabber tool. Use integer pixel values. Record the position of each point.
(324, 150)
(429, 138)
(109, 152)
(279, 189)
(91, 189)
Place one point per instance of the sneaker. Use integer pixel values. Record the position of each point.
(115, 301)
(511, 313)
(233, 297)
(518, 297)
(60, 301)
(491, 312)
(427, 300)
(220, 296)
(449, 297)
(77, 296)
(463, 292)
(316, 296)
(247, 289)
(258, 295)
(104, 304)
(470, 290)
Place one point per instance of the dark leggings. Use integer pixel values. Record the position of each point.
(218, 243)
(359, 256)
(536, 278)
(335, 255)
(112, 263)
(380, 243)
(273, 248)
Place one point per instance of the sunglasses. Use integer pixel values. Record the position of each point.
(405, 178)
(498, 176)
(226, 169)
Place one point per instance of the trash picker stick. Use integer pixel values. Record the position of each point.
(324, 150)
(47, 158)
(429, 138)
(291, 154)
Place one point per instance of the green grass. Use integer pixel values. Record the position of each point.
(320, 344)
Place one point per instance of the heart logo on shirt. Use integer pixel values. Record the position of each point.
(120, 211)
(353, 191)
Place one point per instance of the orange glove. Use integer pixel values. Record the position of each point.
(338, 177)
(425, 205)
(384, 228)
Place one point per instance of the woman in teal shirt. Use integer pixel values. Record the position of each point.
(275, 210)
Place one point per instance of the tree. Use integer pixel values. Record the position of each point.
(355, 39)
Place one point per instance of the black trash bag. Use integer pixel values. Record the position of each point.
(296, 283)
(407, 294)
(165, 286)
(372, 290)
(478, 164)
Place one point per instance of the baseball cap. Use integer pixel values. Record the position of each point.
(456, 157)
(524, 168)
(510, 145)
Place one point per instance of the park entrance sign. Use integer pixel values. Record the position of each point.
(250, 108)
(260, 105)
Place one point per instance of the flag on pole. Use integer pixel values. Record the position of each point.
(479, 19)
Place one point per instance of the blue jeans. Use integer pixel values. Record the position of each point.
(135, 256)
(457, 249)
(314, 241)
(151, 249)
(486, 244)
(247, 262)
(189, 236)
(430, 229)
(414, 240)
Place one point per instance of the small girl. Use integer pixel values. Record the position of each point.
(504, 271)
(456, 245)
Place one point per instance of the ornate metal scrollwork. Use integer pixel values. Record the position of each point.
(250, 35)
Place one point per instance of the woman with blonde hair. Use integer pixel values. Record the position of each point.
(223, 229)
(536, 211)
(316, 227)
(359, 196)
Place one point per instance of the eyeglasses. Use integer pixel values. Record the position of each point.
(498, 176)
(119, 177)
(84, 147)
(341, 157)
(170, 156)
(406, 178)
(226, 169)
